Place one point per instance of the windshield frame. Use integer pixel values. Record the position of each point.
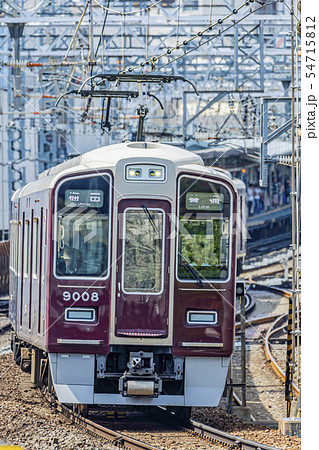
(231, 226)
(55, 226)
(130, 208)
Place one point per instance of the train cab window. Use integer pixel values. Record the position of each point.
(143, 250)
(83, 227)
(204, 231)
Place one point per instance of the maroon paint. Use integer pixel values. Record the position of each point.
(28, 292)
(142, 314)
(58, 328)
(222, 302)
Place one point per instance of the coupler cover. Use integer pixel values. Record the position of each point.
(140, 387)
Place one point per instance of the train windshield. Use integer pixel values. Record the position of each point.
(143, 250)
(204, 230)
(83, 227)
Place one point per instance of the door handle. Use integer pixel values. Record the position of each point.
(118, 289)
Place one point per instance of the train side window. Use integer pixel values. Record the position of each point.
(19, 249)
(82, 236)
(36, 247)
(26, 252)
(15, 251)
(204, 230)
(11, 249)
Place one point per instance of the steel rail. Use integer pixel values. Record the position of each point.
(90, 427)
(234, 442)
(195, 428)
(274, 289)
(272, 330)
(257, 321)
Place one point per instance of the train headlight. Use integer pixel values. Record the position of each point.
(155, 173)
(145, 172)
(134, 173)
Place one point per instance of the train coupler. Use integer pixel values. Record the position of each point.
(141, 378)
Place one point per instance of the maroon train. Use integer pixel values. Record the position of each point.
(122, 277)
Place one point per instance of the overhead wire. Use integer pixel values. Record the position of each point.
(115, 11)
(187, 41)
(152, 60)
(102, 30)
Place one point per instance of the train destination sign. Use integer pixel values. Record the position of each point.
(84, 197)
(204, 201)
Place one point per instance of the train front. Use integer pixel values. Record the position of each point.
(142, 283)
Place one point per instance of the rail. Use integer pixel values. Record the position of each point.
(92, 428)
(122, 441)
(272, 330)
(233, 442)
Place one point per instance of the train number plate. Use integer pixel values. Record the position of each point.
(76, 296)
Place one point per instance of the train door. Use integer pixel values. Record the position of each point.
(142, 298)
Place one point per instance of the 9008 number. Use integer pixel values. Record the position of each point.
(76, 296)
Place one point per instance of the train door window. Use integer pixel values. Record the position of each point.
(35, 252)
(143, 250)
(82, 243)
(204, 230)
(26, 252)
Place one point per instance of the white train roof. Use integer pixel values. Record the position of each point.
(108, 157)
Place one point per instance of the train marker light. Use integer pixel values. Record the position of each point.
(80, 314)
(201, 318)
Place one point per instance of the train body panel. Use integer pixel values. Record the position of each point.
(126, 276)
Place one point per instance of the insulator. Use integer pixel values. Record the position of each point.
(285, 160)
(299, 5)
(21, 64)
(16, 64)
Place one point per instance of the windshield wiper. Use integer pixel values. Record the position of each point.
(192, 271)
(145, 209)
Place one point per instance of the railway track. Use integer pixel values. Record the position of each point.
(275, 366)
(273, 329)
(211, 436)
(95, 429)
